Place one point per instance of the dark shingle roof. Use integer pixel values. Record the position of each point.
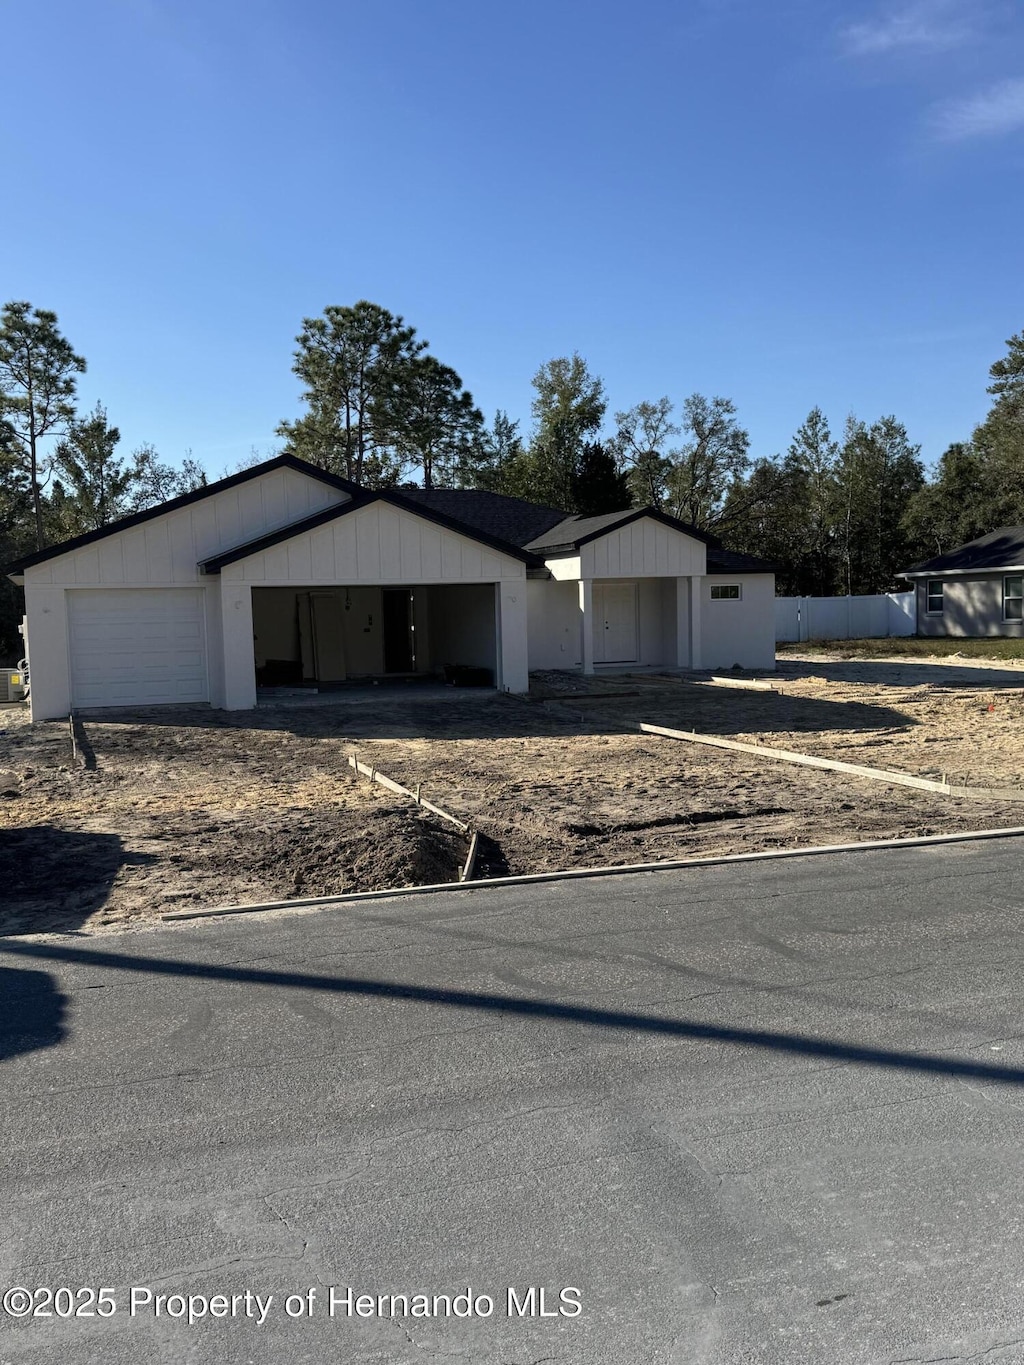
(721, 560)
(572, 531)
(575, 531)
(1001, 549)
(510, 519)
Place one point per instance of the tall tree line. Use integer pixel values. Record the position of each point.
(60, 472)
(839, 516)
(835, 514)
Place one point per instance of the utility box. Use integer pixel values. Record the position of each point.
(12, 684)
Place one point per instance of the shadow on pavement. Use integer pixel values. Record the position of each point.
(522, 1007)
(31, 1011)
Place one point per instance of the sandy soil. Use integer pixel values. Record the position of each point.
(191, 807)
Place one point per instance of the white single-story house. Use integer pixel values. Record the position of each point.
(975, 590)
(286, 574)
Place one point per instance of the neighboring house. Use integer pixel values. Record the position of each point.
(287, 574)
(976, 589)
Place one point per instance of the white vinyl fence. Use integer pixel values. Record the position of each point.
(845, 618)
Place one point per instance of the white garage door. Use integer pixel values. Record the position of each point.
(134, 646)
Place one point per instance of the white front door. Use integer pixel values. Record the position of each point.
(615, 615)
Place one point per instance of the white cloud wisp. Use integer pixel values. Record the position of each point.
(991, 113)
(920, 26)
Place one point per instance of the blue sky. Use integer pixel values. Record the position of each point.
(787, 202)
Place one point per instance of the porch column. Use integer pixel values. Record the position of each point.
(696, 582)
(682, 623)
(236, 642)
(587, 623)
(513, 671)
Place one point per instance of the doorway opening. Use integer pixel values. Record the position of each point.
(399, 629)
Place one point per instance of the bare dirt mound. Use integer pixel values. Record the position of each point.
(318, 856)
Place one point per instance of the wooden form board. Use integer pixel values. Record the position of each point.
(368, 771)
(853, 769)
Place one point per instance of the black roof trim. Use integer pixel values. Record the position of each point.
(363, 498)
(136, 519)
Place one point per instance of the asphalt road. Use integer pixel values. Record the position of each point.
(761, 1113)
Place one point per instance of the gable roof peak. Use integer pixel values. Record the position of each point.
(283, 461)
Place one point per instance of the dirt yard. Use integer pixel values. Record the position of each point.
(169, 809)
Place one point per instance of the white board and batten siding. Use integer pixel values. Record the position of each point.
(643, 549)
(168, 549)
(137, 646)
(377, 544)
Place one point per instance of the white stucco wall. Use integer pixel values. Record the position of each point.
(553, 624)
(510, 615)
(565, 568)
(740, 632)
(655, 593)
(46, 613)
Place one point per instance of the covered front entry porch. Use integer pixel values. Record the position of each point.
(603, 624)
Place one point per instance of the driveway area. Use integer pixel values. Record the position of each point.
(769, 1113)
(177, 808)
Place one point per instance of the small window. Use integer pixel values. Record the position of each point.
(725, 592)
(1013, 599)
(934, 597)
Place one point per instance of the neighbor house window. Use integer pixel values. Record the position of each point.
(1013, 599)
(725, 592)
(935, 597)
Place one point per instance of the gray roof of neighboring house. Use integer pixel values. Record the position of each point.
(1001, 549)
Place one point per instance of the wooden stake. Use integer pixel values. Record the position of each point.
(466, 874)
